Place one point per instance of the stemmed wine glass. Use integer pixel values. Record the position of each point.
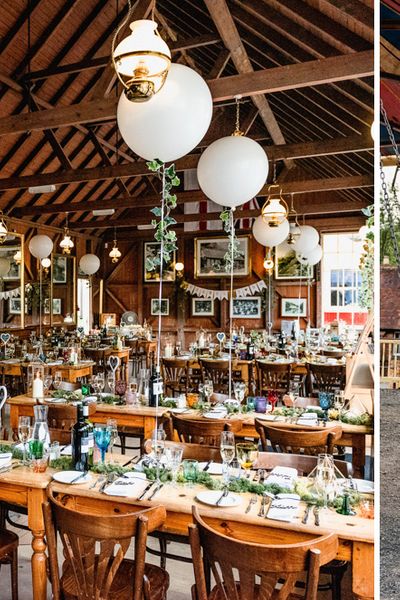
(101, 382)
(112, 426)
(325, 478)
(227, 449)
(102, 437)
(208, 389)
(239, 389)
(158, 437)
(95, 385)
(57, 380)
(339, 402)
(111, 382)
(247, 454)
(47, 381)
(24, 433)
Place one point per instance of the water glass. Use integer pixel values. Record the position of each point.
(174, 458)
(227, 449)
(112, 426)
(111, 383)
(39, 464)
(57, 379)
(190, 469)
(325, 478)
(47, 381)
(208, 389)
(24, 433)
(247, 454)
(239, 388)
(102, 437)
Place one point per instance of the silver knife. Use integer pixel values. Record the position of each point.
(306, 514)
(207, 466)
(158, 488)
(146, 489)
(83, 474)
(316, 515)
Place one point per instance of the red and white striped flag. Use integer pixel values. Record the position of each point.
(199, 208)
(247, 222)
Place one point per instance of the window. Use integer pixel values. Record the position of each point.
(341, 279)
(84, 304)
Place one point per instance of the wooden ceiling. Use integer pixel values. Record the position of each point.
(304, 68)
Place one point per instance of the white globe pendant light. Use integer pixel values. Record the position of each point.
(5, 266)
(270, 236)
(232, 170)
(308, 239)
(311, 258)
(362, 232)
(172, 122)
(89, 264)
(40, 246)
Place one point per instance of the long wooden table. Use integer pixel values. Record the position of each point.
(70, 373)
(145, 418)
(356, 534)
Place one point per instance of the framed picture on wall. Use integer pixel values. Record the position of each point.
(14, 272)
(246, 308)
(158, 308)
(151, 249)
(202, 307)
(14, 306)
(59, 270)
(294, 307)
(287, 266)
(56, 306)
(209, 257)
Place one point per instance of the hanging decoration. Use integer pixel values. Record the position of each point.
(308, 239)
(248, 290)
(141, 60)
(10, 293)
(89, 264)
(267, 235)
(40, 246)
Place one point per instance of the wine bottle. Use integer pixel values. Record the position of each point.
(80, 442)
(155, 386)
(90, 433)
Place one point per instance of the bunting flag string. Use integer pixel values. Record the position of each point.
(10, 294)
(243, 292)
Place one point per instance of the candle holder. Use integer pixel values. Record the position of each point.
(36, 372)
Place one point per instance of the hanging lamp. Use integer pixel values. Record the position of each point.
(115, 253)
(294, 227)
(141, 60)
(275, 209)
(66, 243)
(268, 260)
(3, 229)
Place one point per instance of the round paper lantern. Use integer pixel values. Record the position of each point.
(172, 122)
(311, 258)
(232, 170)
(308, 239)
(362, 232)
(5, 266)
(40, 246)
(270, 236)
(89, 263)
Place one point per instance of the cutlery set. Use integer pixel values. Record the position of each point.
(316, 510)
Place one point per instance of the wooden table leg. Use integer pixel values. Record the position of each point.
(358, 454)
(35, 523)
(148, 427)
(363, 570)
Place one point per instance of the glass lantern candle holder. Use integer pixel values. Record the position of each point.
(35, 387)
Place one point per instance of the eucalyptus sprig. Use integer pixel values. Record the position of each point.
(163, 233)
(234, 252)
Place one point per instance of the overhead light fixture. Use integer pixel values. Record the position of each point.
(141, 60)
(103, 212)
(18, 257)
(294, 227)
(42, 189)
(115, 253)
(66, 243)
(179, 266)
(268, 260)
(275, 209)
(3, 229)
(45, 262)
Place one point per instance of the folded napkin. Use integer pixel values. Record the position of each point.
(310, 419)
(130, 486)
(67, 451)
(213, 468)
(284, 508)
(282, 476)
(5, 459)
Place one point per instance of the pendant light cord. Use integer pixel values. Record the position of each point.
(232, 235)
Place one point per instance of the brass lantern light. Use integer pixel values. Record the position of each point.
(295, 231)
(66, 243)
(115, 253)
(141, 60)
(275, 209)
(268, 260)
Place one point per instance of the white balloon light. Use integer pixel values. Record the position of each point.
(89, 263)
(270, 236)
(172, 122)
(232, 170)
(311, 258)
(309, 238)
(5, 266)
(40, 246)
(362, 232)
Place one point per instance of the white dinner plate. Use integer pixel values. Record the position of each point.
(213, 468)
(215, 415)
(178, 411)
(266, 417)
(69, 476)
(212, 496)
(364, 486)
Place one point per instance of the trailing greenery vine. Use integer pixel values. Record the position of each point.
(366, 295)
(163, 233)
(233, 253)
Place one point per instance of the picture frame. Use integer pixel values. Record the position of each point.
(209, 257)
(150, 251)
(202, 307)
(8, 253)
(294, 307)
(155, 307)
(246, 308)
(288, 267)
(59, 269)
(14, 306)
(56, 306)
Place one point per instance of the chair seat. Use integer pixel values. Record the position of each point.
(121, 588)
(218, 594)
(8, 543)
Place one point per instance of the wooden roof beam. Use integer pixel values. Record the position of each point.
(311, 73)
(275, 153)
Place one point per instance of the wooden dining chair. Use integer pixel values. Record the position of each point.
(95, 549)
(9, 542)
(273, 376)
(304, 463)
(333, 353)
(218, 372)
(326, 378)
(60, 420)
(311, 441)
(176, 376)
(245, 570)
(202, 431)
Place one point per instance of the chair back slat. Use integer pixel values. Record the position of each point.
(294, 441)
(273, 376)
(327, 378)
(201, 431)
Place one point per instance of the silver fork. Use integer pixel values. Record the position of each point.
(316, 515)
(96, 482)
(253, 500)
(223, 495)
(261, 512)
